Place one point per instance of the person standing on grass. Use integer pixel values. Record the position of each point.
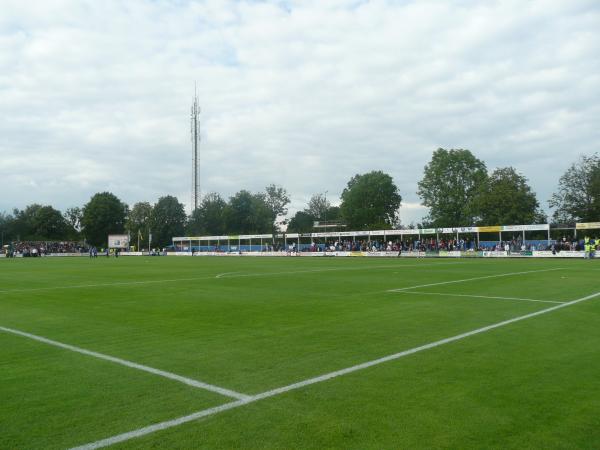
(586, 247)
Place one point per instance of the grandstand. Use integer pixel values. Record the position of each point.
(514, 240)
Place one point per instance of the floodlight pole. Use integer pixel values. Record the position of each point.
(326, 217)
(146, 219)
(195, 132)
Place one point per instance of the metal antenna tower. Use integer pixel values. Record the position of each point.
(195, 132)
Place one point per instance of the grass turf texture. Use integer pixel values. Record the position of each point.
(267, 322)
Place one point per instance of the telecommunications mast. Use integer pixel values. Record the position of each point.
(195, 131)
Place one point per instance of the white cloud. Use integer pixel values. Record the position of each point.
(96, 95)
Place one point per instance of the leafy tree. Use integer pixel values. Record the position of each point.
(7, 228)
(318, 206)
(208, 219)
(49, 223)
(370, 201)
(22, 222)
(277, 200)
(248, 213)
(138, 221)
(73, 217)
(578, 195)
(37, 222)
(301, 222)
(333, 213)
(506, 198)
(449, 185)
(167, 220)
(104, 214)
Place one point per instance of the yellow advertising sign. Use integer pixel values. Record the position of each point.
(357, 254)
(588, 226)
(494, 229)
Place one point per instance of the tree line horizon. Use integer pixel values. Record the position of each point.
(456, 187)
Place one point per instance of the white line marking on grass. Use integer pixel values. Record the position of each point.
(328, 376)
(118, 283)
(212, 277)
(221, 275)
(334, 269)
(133, 365)
(161, 426)
(478, 296)
(474, 279)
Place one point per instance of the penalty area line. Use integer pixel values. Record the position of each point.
(441, 283)
(221, 275)
(328, 376)
(123, 362)
(492, 297)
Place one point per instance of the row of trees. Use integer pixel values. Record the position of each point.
(369, 201)
(106, 214)
(244, 213)
(459, 191)
(456, 187)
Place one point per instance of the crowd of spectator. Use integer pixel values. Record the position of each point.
(42, 248)
(433, 244)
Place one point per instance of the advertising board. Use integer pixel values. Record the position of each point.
(118, 241)
(549, 254)
(588, 226)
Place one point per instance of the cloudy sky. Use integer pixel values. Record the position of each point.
(95, 95)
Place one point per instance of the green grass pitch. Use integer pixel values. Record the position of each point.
(251, 325)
